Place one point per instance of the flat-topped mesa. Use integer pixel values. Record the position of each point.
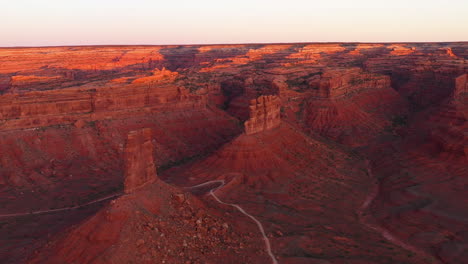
(264, 114)
(461, 85)
(341, 82)
(158, 76)
(139, 163)
(445, 51)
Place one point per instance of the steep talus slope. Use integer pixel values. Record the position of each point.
(153, 225)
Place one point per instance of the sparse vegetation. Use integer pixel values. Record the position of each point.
(399, 120)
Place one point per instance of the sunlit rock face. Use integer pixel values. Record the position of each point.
(345, 152)
(264, 114)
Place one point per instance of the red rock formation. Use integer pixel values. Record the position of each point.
(82, 58)
(24, 82)
(446, 52)
(66, 112)
(264, 114)
(341, 82)
(158, 76)
(5, 83)
(461, 86)
(401, 50)
(64, 165)
(38, 109)
(351, 106)
(157, 224)
(139, 162)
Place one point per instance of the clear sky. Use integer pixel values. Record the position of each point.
(96, 22)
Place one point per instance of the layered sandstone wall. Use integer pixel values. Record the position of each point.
(66, 106)
(139, 162)
(342, 82)
(264, 114)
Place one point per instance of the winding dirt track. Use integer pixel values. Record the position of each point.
(62, 209)
(259, 224)
(371, 223)
(366, 220)
(211, 192)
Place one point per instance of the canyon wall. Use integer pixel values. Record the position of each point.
(341, 82)
(351, 106)
(46, 108)
(264, 114)
(139, 162)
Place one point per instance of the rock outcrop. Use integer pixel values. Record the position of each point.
(264, 114)
(156, 224)
(351, 106)
(139, 162)
(461, 85)
(342, 82)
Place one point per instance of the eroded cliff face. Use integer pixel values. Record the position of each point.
(345, 82)
(461, 86)
(139, 162)
(351, 106)
(264, 114)
(59, 107)
(66, 165)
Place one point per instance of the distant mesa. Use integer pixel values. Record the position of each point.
(401, 50)
(446, 51)
(158, 76)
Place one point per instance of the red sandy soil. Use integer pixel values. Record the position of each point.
(345, 153)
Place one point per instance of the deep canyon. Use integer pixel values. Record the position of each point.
(343, 152)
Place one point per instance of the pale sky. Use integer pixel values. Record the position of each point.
(100, 22)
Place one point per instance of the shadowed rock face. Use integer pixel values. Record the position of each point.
(139, 162)
(461, 86)
(341, 150)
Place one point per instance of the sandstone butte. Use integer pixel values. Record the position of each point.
(344, 153)
(139, 164)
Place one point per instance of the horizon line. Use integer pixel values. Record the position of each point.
(235, 44)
